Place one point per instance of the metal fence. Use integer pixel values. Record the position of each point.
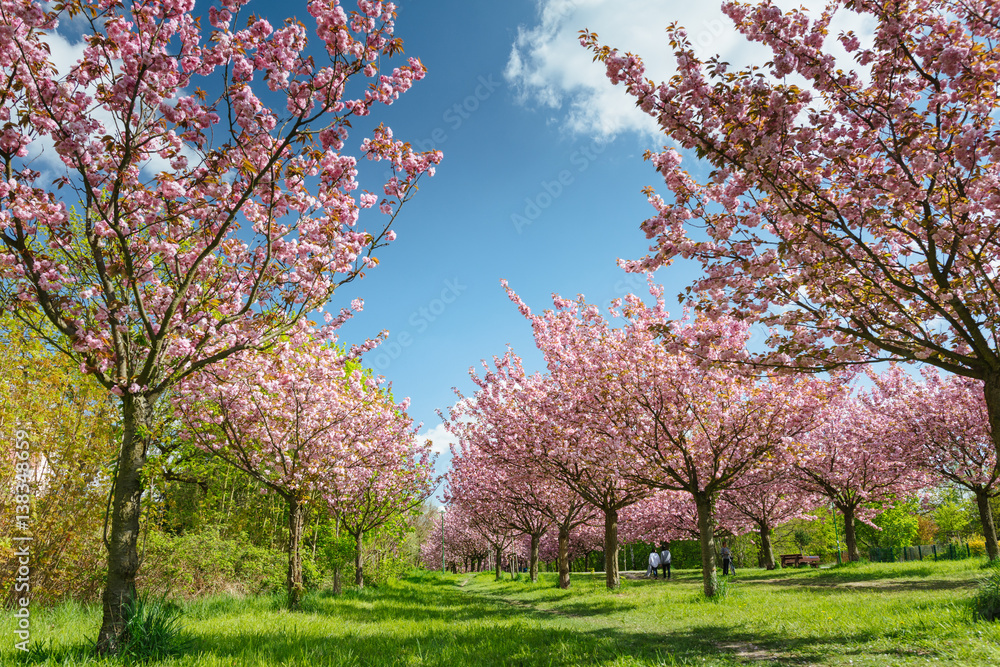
(950, 551)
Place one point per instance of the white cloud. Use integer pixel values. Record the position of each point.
(550, 70)
(441, 438)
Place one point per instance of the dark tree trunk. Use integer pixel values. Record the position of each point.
(611, 549)
(766, 550)
(563, 557)
(359, 563)
(296, 512)
(850, 536)
(533, 560)
(123, 537)
(706, 528)
(989, 528)
(498, 554)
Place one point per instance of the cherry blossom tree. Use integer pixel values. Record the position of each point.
(366, 492)
(853, 459)
(201, 204)
(944, 421)
(767, 498)
(853, 205)
(294, 418)
(678, 421)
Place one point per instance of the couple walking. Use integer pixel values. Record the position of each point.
(657, 560)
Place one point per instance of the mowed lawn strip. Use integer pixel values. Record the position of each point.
(878, 614)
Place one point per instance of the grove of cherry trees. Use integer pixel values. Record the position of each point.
(206, 209)
(855, 216)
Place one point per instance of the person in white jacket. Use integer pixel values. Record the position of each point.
(665, 561)
(654, 564)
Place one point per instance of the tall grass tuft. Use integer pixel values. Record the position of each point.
(986, 601)
(154, 630)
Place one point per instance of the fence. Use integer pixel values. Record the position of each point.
(950, 551)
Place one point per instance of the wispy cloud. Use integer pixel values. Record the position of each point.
(551, 71)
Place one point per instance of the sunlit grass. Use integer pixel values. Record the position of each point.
(879, 614)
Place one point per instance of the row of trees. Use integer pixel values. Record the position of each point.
(856, 215)
(675, 429)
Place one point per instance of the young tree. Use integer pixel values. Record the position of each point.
(491, 440)
(853, 460)
(390, 482)
(293, 418)
(858, 211)
(944, 420)
(482, 482)
(201, 204)
(768, 498)
(68, 422)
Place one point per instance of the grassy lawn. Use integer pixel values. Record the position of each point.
(878, 614)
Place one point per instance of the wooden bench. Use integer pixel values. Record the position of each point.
(797, 560)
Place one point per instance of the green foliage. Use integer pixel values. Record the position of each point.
(821, 535)
(899, 527)
(802, 538)
(154, 630)
(203, 562)
(72, 427)
(953, 519)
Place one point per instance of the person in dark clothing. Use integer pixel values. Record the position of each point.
(665, 560)
(727, 559)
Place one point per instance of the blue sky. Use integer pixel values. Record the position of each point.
(540, 184)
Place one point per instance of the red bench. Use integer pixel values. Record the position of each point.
(797, 560)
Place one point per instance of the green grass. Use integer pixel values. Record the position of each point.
(878, 614)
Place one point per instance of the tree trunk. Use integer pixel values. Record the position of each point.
(123, 538)
(337, 586)
(563, 557)
(706, 527)
(850, 537)
(989, 527)
(533, 560)
(766, 551)
(296, 512)
(359, 566)
(498, 555)
(611, 549)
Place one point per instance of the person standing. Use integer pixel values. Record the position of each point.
(727, 559)
(665, 560)
(654, 564)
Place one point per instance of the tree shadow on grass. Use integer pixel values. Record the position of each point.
(707, 641)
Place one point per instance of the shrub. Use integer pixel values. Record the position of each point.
(977, 545)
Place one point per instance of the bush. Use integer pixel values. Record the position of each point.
(977, 545)
(986, 601)
(204, 562)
